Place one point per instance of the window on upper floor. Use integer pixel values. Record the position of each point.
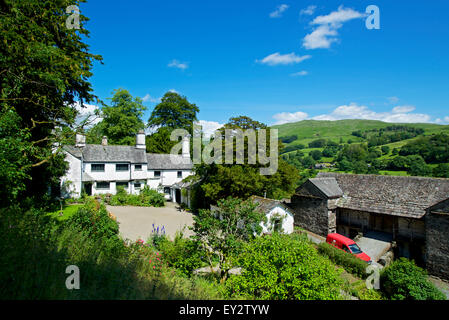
(179, 174)
(121, 167)
(138, 167)
(103, 185)
(157, 174)
(97, 167)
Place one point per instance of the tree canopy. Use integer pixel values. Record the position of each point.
(173, 112)
(44, 69)
(122, 120)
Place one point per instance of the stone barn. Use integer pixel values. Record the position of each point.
(412, 211)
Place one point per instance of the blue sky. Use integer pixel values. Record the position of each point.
(277, 61)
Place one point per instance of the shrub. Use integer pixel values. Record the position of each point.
(285, 267)
(403, 280)
(93, 219)
(346, 260)
(184, 254)
(146, 198)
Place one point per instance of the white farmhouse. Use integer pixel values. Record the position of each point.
(279, 216)
(100, 169)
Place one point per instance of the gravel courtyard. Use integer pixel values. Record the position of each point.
(136, 222)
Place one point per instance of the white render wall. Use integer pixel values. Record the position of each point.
(287, 222)
(71, 181)
(167, 178)
(111, 175)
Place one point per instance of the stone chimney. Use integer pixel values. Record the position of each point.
(80, 140)
(140, 140)
(186, 146)
(104, 141)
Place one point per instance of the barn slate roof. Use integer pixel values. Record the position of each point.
(328, 186)
(392, 195)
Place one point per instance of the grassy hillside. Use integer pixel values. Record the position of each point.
(309, 130)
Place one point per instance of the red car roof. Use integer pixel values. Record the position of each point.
(340, 238)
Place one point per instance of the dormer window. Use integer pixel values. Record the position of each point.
(137, 167)
(157, 174)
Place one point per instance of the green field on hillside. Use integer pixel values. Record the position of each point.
(309, 130)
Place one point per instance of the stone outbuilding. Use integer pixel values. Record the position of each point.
(412, 211)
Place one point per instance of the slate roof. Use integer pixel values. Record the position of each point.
(328, 186)
(266, 205)
(113, 153)
(393, 195)
(167, 161)
(109, 153)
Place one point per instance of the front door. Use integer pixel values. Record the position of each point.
(178, 196)
(88, 188)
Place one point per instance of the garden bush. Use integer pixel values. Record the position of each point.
(184, 254)
(346, 260)
(146, 198)
(404, 280)
(283, 267)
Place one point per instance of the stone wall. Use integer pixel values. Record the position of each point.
(437, 244)
(311, 213)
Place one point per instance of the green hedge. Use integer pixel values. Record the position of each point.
(346, 260)
(403, 280)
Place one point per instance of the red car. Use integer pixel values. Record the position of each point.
(348, 245)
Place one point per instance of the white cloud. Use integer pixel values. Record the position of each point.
(286, 117)
(149, 98)
(177, 64)
(393, 99)
(400, 114)
(403, 109)
(354, 111)
(90, 115)
(320, 38)
(279, 10)
(282, 59)
(310, 10)
(338, 17)
(445, 120)
(173, 90)
(300, 74)
(209, 127)
(325, 32)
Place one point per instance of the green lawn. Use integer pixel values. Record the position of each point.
(67, 212)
